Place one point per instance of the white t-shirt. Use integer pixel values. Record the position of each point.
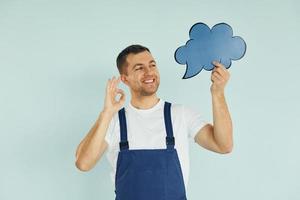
(146, 130)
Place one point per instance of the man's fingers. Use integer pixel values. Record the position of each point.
(218, 64)
(215, 78)
(221, 70)
(108, 85)
(218, 76)
(122, 98)
(115, 83)
(120, 91)
(112, 83)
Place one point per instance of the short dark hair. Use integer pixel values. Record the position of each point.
(121, 59)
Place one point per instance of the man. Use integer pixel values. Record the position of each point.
(147, 141)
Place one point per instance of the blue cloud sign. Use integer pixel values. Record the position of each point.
(207, 45)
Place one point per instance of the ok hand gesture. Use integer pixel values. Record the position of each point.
(112, 105)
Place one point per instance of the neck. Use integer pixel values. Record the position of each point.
(144, 102)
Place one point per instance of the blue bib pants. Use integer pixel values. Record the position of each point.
(149, 174)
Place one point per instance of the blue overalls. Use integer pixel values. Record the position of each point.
(149, 174)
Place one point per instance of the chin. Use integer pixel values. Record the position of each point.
(148, 93)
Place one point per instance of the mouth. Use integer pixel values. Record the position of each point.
(149, 81)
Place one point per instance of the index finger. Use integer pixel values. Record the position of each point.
(108, 83)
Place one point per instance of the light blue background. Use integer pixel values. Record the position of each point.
(55, 58)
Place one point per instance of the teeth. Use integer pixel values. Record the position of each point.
(149, 81)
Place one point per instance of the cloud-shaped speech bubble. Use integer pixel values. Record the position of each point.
(207, 45)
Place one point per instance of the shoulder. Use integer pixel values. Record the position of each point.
(175, 107)
(186, 111)
(181, 108)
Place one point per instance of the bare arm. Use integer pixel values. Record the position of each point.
(218, 137)
(90, 133)
(222, 123)
(92, 147)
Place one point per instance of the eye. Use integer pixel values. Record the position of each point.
(153, 65)
(138, 68)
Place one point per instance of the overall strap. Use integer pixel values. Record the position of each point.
(123, 130)
(170, 140)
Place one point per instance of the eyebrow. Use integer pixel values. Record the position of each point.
(139, 64)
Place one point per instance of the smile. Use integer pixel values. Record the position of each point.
(149, 81)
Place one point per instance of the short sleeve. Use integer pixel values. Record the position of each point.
(194, 121)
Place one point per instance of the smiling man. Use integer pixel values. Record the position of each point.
(147, 141)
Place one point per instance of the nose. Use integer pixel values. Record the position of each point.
(148, 70)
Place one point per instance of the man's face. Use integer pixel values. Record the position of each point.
(142, 74)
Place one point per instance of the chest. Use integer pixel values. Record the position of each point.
(149, 132)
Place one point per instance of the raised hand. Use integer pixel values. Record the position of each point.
(112, 105)
(219, 77)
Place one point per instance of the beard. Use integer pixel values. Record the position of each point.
(145, 91)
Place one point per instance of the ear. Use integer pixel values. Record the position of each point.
(124, 79)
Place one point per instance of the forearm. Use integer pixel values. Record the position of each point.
(91, 148)
(222, 122)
